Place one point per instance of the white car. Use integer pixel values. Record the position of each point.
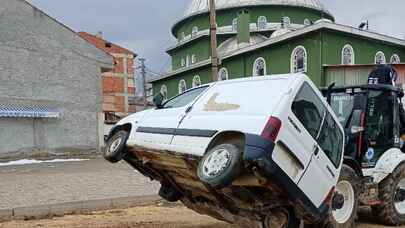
(263, 151)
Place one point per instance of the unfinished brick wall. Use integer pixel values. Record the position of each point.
(119, 84)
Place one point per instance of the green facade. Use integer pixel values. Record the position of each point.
(323, 47)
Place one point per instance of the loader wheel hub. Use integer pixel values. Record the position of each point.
(399, 200)
(343, 214)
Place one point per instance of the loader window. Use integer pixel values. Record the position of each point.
(309, 109)
(380, 124)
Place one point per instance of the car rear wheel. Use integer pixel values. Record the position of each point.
(116, 147)
(281, 218)
(221, 165)
(392, 196)
(348, 188)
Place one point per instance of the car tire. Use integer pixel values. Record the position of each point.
(349, 186)
(116, 147)
(275, 219)
(169, 193)
(221, 165)
(391, 212)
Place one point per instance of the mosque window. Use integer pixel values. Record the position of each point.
(194, 31)
(163, 91)
(262, 23)
(395, 59)
(235, 24)
(193, 59)
(196, 81)
(182, 86)
(259, 67)
(347, 55)
(183, 63)
(299, 60)
(380, 58)
(307, 22)
(182, 36)
(223, 74)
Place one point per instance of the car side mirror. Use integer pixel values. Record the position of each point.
(158, 100)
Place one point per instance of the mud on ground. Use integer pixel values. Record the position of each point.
(157, 216)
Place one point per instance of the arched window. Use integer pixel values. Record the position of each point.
(163, 91)
(259, 67)
(299, 60)
(347, 55)
(395, 59)
(307, 22)
(235, 24)
(285, 21)
(183, 63)
(262, 23)
(188, 61)
(194, 31)
(193, 59)
(223, 74)
(182, 86)
(196, 81)
(380, 58)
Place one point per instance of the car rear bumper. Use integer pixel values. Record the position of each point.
(258, 153)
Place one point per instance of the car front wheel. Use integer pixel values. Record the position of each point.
(116, 147)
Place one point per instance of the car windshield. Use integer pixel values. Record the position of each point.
(184, 98)
(342, 105)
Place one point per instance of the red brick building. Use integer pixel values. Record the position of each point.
(118, 84)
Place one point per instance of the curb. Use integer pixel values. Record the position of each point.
(80, 207)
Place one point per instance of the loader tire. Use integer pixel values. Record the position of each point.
(348, 186)
(391, 193)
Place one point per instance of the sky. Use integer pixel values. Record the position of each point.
(144, 25)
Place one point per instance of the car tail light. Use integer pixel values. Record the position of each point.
(272, 129)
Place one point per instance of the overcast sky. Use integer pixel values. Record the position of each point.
(144, 25)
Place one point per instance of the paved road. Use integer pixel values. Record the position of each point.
(42, 184)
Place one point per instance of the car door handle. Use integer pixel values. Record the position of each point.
(316, 150)
(189, 109)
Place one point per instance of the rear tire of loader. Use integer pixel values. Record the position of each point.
(392, 210)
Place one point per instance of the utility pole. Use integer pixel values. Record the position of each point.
(143, 73)
(214, 43)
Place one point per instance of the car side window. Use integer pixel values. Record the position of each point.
(331, 140)
(184, 98)
(309, 109)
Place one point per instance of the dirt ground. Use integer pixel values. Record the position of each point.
(158, 216)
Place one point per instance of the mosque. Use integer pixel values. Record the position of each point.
(265, 37)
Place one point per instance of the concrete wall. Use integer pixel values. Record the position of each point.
(44, 62)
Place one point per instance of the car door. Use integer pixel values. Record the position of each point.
(156, 131)
(322, 172)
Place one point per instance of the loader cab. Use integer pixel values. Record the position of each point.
(370, 116)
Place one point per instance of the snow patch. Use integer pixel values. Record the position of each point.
(31, 162)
